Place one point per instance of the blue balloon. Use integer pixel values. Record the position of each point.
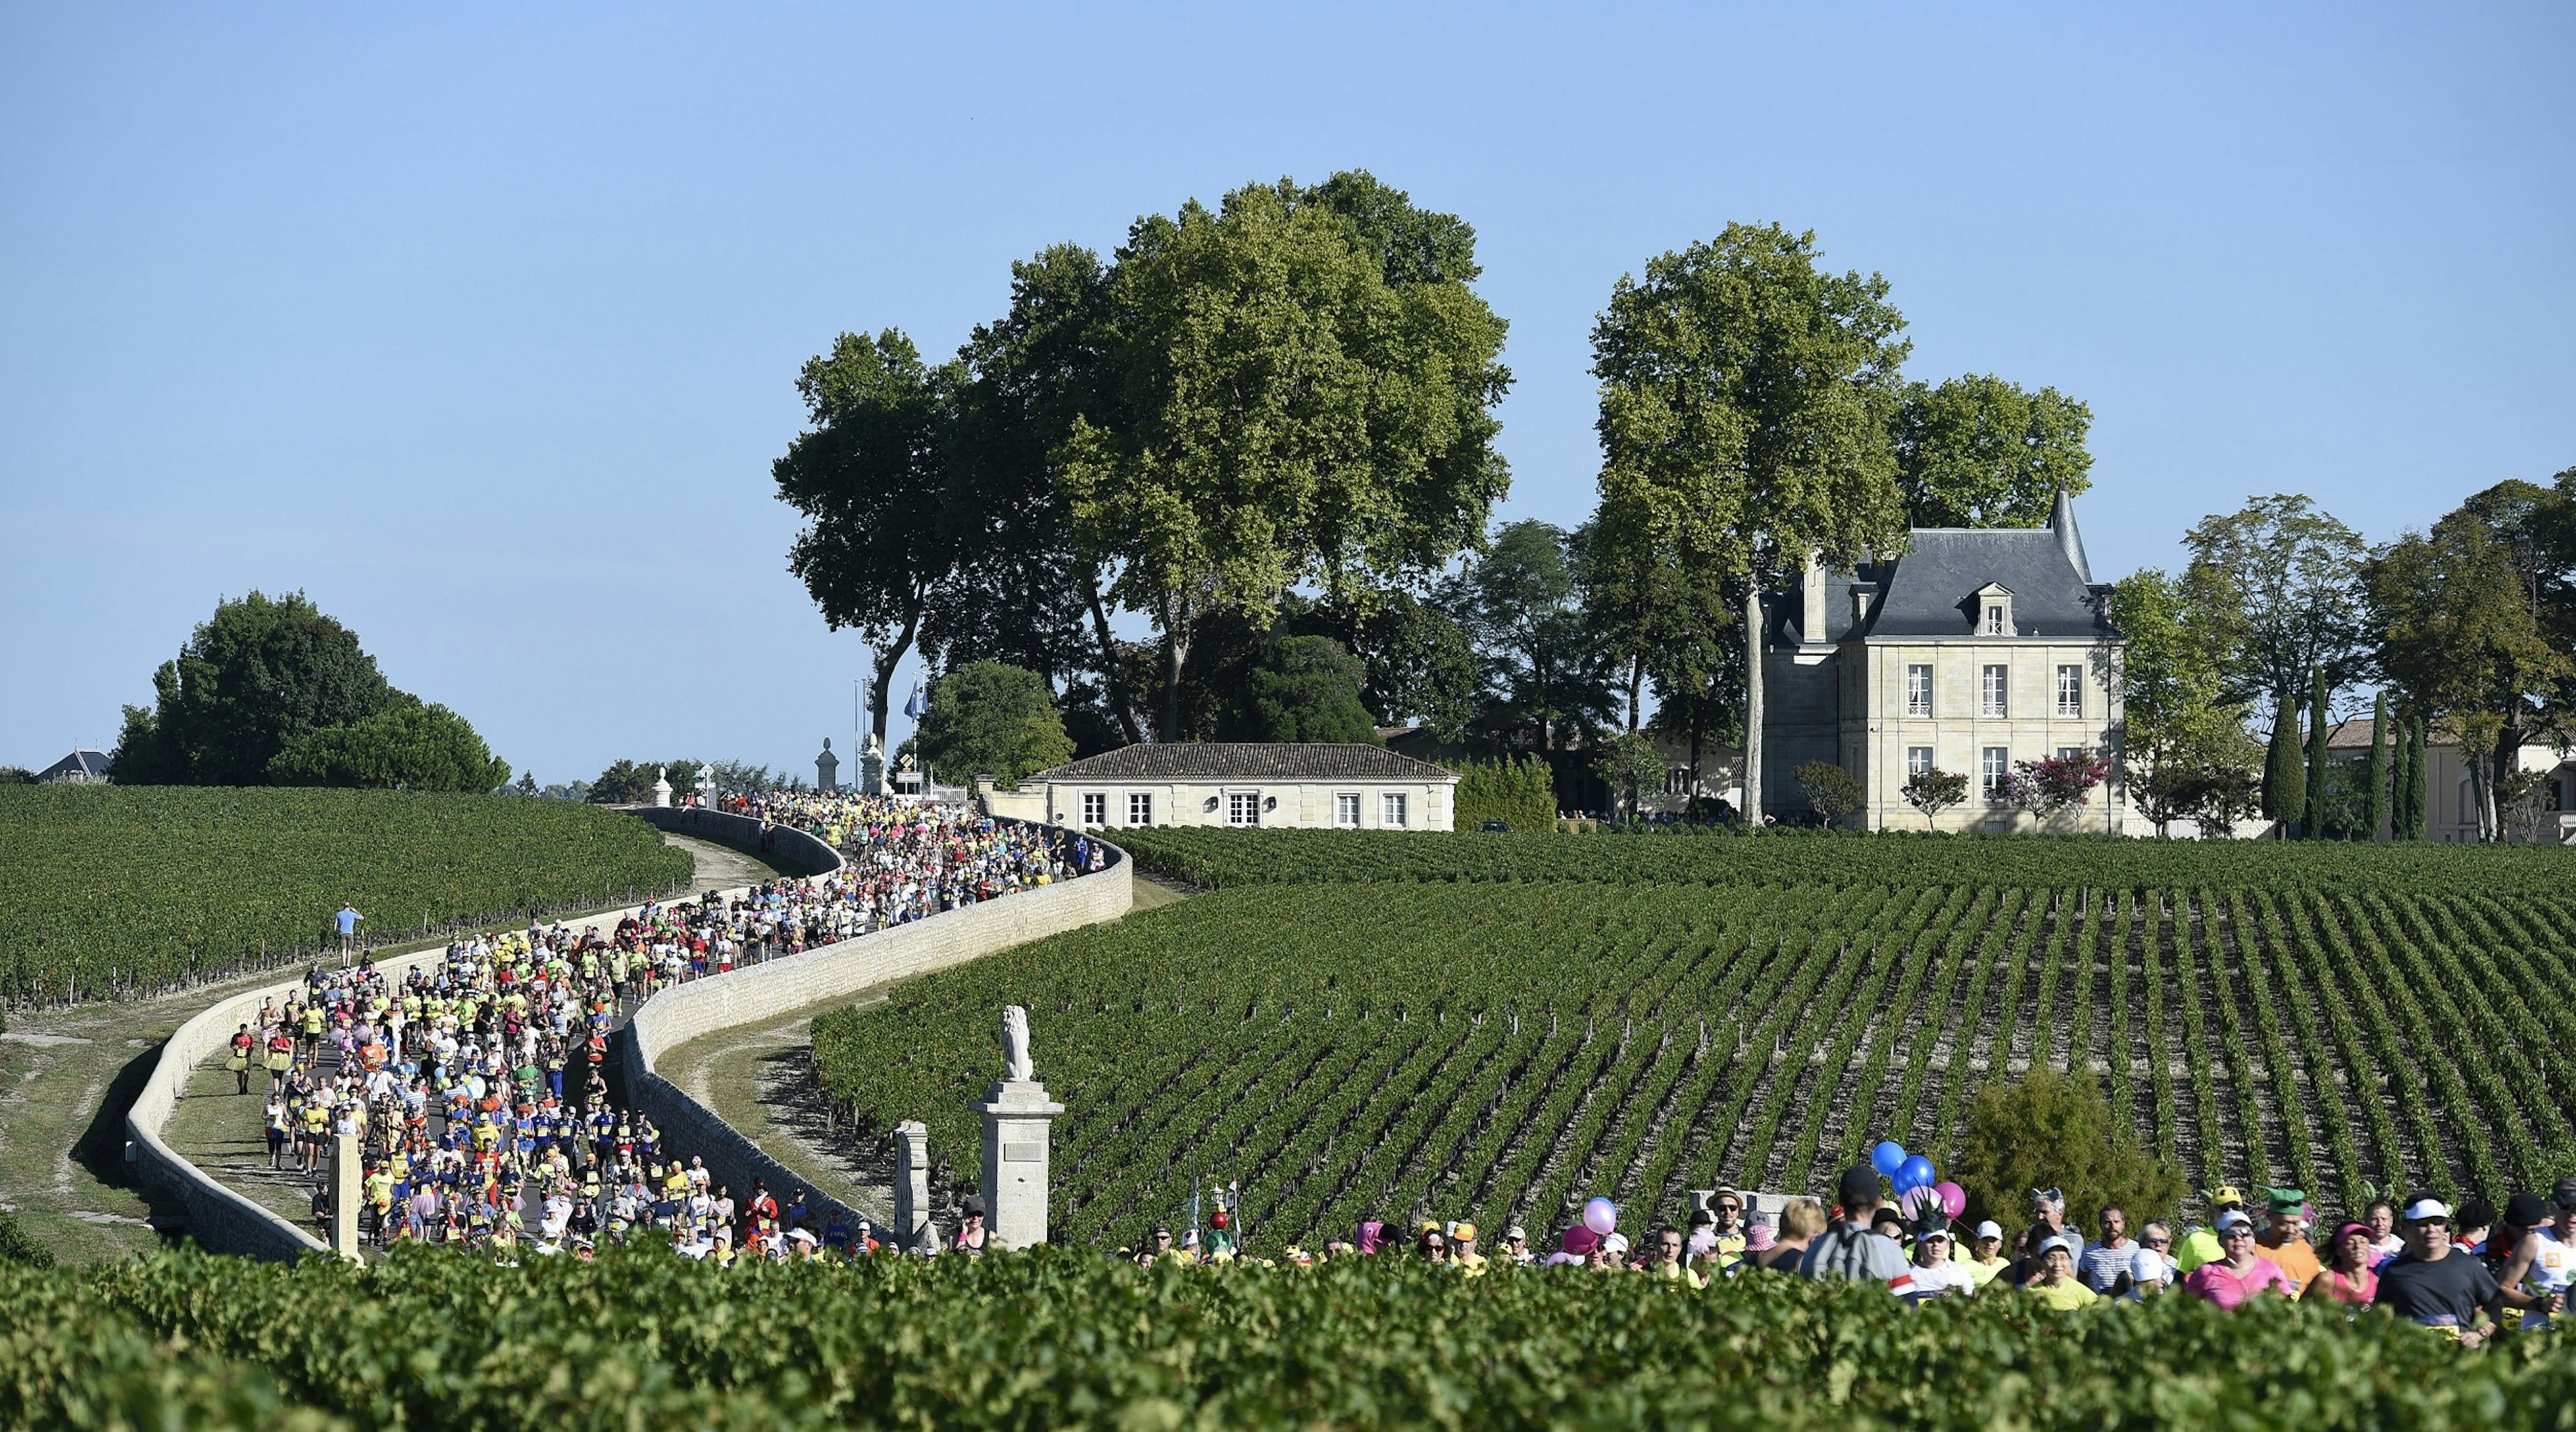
(1914, 1173)
(1887, 1158)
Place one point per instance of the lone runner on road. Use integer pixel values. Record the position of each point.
(348, 919)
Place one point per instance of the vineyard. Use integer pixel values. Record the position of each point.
(1061, 1339)
(116, 891)
(1497, 1050)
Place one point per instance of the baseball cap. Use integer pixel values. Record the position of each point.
(2564, 1194)
(2073, 1245)
(1859, 1185)
(1615, 1244)
(1515, 1231)
(1463, 1229)
(2226, 1193)
(1939, 1231)
(2525, 1210)
(2234, 1218)
(2350, 1229)
(1990, 1229)
(2427, 1208)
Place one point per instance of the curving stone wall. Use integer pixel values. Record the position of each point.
(228, 1222)
(747, 995)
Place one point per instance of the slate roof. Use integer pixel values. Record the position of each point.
(1931, 590)
(1248, 761)
(92, 764)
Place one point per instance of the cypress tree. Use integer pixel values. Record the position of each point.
(2285, 781)
(2417, 781)
(2404, 821)
(2313, 823)
(2376, 784)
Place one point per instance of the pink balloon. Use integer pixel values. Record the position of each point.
(1600, 1216)
(1954, 1199)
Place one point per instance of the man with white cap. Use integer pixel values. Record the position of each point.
(2433, 1284)
(1988, 1258)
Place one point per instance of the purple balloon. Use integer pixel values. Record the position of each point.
(1600, 1216)
(1954, 1199)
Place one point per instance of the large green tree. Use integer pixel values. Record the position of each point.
(872, 478)
(259, 675)
(1304, 688)
(1978, 451)
(1300, 385)
(989, 719)
(408, 744)
(1547, 682)
(1746, 405)
(2180, 732)
(2280, 580)
(2459, 633)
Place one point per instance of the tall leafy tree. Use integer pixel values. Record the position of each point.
(2459, 634)
(259, 675)
(1746, 397)
(989, 719)
(2180, 728)
(1033, 373)
(1304, 688)
(407, 744)
(2282, 581)
(1547, 682)
(1300, 392)
(873, 482)
(1977, 451)
(1416, 660)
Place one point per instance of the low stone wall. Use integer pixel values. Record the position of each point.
(749, 994)
(228, 1222)
(787, 847)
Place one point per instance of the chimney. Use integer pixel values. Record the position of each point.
(1811, 604)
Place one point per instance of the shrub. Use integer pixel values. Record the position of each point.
(1518, 791)
(1833, 791)
(2054, 1130)
(988, 718)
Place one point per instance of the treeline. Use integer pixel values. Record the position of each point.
(270, 691)
(1267, 428)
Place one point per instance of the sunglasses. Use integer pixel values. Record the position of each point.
(1730, 1208)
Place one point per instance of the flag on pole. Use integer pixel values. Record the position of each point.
(917, 705)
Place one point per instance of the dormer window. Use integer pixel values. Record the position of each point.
(1994, 610)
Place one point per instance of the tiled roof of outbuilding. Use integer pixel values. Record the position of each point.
(1248, 761)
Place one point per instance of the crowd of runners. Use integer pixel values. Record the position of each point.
(476, 1084)
(2470, 1274)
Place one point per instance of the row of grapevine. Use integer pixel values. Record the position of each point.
(1501, 1051)
(117, 891)
(1055, 1338)
(1221, 858)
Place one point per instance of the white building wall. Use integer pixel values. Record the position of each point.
(1289, 805)
(1959, 733)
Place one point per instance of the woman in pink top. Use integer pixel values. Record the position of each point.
(2237, 1274)
(2347, 1276)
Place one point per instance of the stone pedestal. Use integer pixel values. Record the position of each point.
(827, 769)
(346, 1165)
(872, 781)
(1018, 1117)
(914, 1232)
(661, 786)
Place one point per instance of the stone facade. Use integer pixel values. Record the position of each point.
(1975, 650)
(1294, 786)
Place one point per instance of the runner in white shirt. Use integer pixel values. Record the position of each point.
(1934, 1274)
(2545, 1264)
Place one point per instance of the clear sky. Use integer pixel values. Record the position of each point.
(480, 324)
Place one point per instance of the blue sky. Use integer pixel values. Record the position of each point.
(480, 325)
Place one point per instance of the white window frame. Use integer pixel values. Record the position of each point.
(1140, 807)
(1243, 808)
(1995, 619)
(1918, 690)
(1095, 808)
(2070, 690)
(1994, 691)
(1346, 810)
(1918, 759)
(1994, 764)
(1392, 809)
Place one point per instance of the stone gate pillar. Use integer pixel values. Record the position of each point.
(1018, 1119)
(914, 1231)
(346, 1164)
